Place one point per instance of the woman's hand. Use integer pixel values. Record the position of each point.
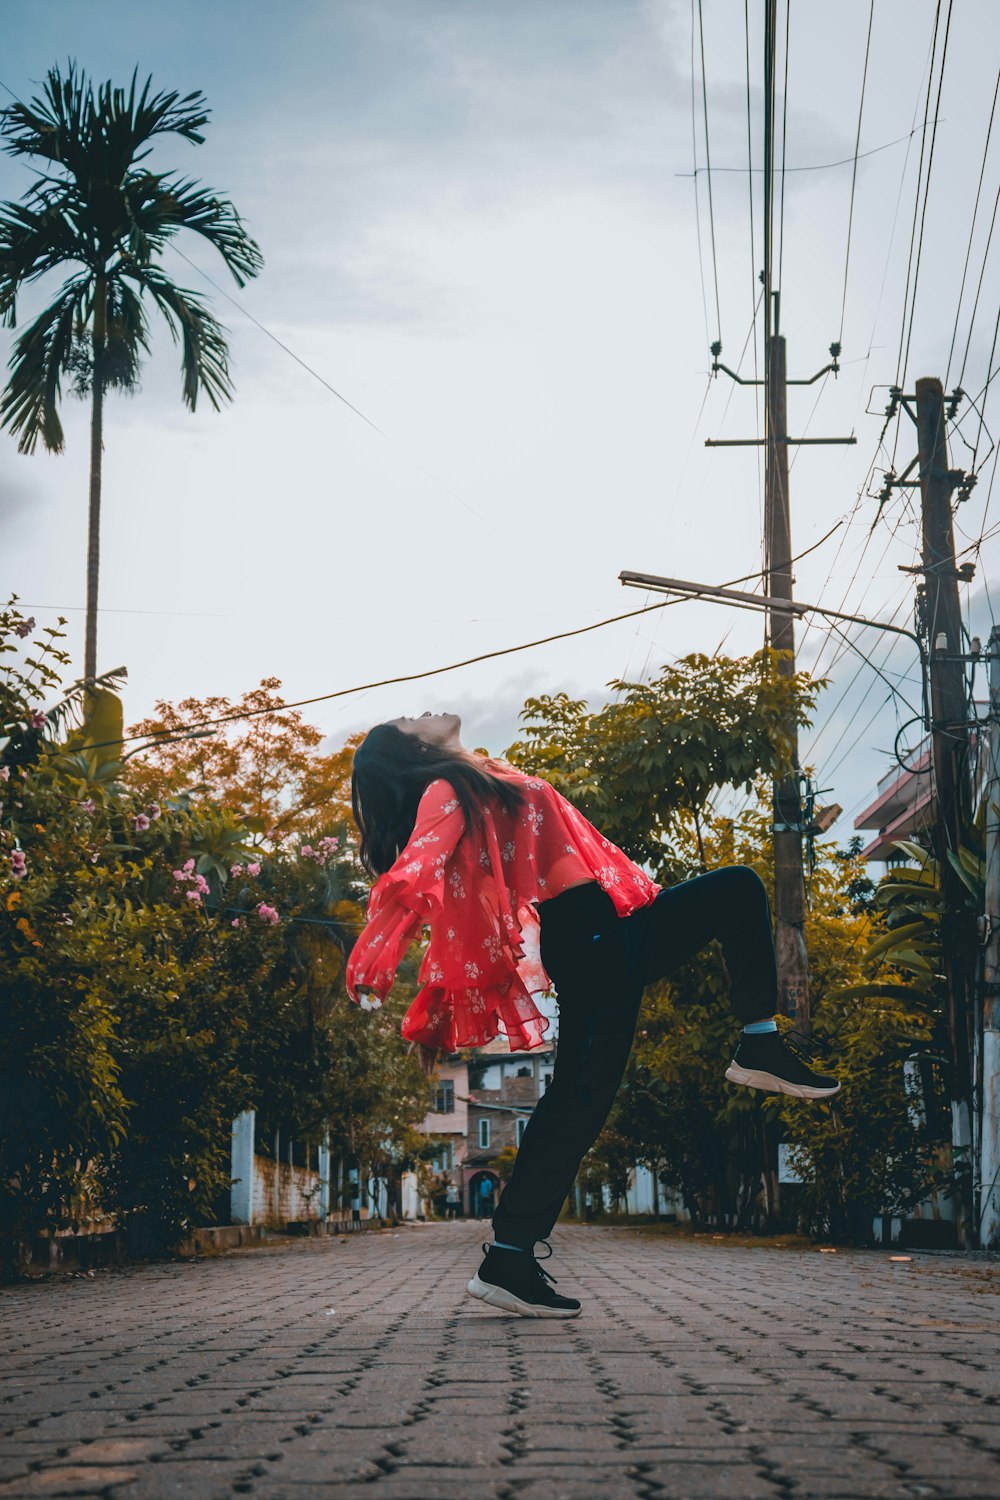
(427, 1057)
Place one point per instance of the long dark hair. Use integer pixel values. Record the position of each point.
(391, 773)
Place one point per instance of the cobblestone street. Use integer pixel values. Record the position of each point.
(360, 1368)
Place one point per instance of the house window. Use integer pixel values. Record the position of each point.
(519, 1129)
(547, 1079)
(444, 1097)
(523, 1073)
(445, 1159)
(484, 1135)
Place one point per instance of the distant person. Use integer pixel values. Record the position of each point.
(496, 862)
(451, 1201)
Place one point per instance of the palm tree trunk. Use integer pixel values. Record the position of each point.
(96, 455)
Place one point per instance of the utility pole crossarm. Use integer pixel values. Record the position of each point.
(765, 441)
(684, 589)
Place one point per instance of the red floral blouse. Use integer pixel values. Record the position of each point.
(478, 888)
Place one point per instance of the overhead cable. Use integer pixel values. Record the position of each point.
(972, 230)
(854, 170)
(561, 635)
(708, 165)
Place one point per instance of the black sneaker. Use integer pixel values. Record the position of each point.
(778, 1065)
(514, 1281)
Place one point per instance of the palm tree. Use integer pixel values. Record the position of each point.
(98, 212)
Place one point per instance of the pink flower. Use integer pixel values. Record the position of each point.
(141, 823)
(180, 875)
(236, 869)
(189, 865)
(88, 806)
(307, 852)
(4, 773)
(329, 846)
(236, 922)
(37, 720)
(18, 864)
(25, 627)
(267, 914)
(194, 896)
(154, 810)
(253, 871)
(201, 884)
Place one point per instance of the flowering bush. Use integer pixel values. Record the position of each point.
(161, 970)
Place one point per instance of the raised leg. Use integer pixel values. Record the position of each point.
(729, 904)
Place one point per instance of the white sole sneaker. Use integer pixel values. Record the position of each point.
(771, 1084)
(498, 1296)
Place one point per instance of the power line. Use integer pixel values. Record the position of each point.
(784, 139)
(813, 751)
(927, 185)
(830, 771)
(876, 669)
(854, 170)
(881, 294)
(972, 230)
(314, 373)
(826, 166)
(979, 288)
(680, 480)
(770, 7)
(694, 174)
(754, 297)
(365, 687)
(708, 165)
(889, 416)
(982, 409)
(907, 328)
(859, 602)
(654, 642)
(333, 390)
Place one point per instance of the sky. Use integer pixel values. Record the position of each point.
(480, 227)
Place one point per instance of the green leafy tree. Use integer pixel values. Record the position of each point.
(643, 769)
(99, 212)
(861, 1154)
(644, 766)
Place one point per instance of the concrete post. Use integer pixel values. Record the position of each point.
(324, 1178)
(241, 1191)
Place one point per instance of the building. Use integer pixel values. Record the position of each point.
(447, 1119)
(504, 1088)
(480, 1103)
(904, 806)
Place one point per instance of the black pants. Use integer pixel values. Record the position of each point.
(599, 964)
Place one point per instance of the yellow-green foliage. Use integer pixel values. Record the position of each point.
(644, 769)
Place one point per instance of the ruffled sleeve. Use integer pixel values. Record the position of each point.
(408, 894)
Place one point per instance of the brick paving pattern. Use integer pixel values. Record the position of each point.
(360, 1369)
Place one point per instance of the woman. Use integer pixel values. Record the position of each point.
(523, 895)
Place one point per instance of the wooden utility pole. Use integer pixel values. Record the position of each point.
(942, 619)
(789, 877)
(989, 1144)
